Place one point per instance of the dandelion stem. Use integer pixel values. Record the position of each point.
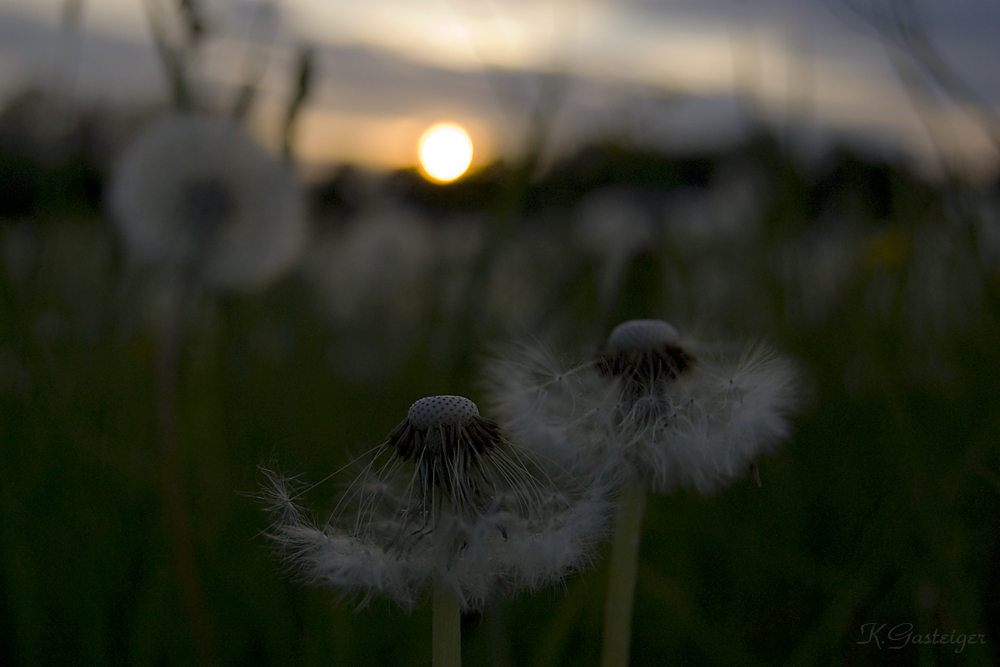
(621, 583)
(446, 617)
(447, 620)
(180, 533)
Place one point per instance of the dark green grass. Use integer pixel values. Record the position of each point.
(882, 509)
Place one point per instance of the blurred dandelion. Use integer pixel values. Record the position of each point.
(729, 211)
(196, 195)
(447, 502)
(372, 283)
(652, 411)
(986, 229)
(198, 200)
(527, 279)
(612, 226)
(713, 243)
(650, 406)
(818, 267)
(379, 262)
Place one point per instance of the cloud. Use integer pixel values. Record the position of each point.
(660, 73)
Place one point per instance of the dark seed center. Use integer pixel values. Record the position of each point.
(648, 366)
(450, 457)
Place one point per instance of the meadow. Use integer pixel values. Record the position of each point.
(873, 539)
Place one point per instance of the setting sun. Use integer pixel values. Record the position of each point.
(445, 152)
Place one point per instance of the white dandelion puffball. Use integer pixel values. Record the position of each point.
(446, 494)
(195, 192)
(652, 406)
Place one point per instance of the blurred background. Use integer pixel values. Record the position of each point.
(818, 175)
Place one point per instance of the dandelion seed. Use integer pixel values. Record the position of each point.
(195, 193)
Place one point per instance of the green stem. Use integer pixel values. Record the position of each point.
(621, 583)
(446, 646)
(176, 513)
(446, 617)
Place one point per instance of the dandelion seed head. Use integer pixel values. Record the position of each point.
(704, 429)
(643, 353)
(449, 442)
(645, 408)
(195, 192)
(441, 411)
(444, 495)
(641, 335)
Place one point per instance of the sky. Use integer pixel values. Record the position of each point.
(681, 74)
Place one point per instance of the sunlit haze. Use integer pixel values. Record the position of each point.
(658, 74)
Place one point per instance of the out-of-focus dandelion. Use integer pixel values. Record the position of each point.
(729, 211)
(527, 279)
(818, 268)
(447, 502)
(612, 226)
(655, 412)
(713, 245)
(194, 193)
(195, 197)
(650, 406)
(372, 282)
(378, 262)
